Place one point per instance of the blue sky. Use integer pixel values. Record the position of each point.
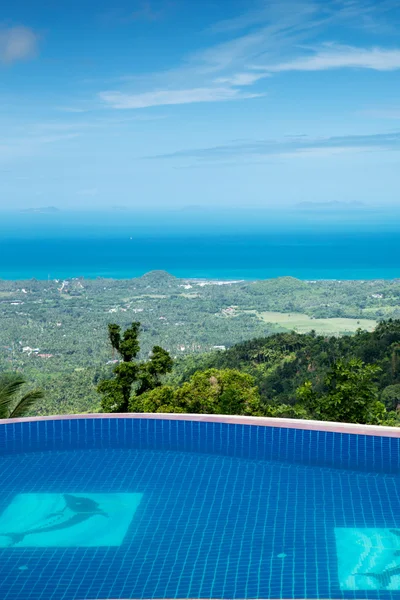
(174, 103)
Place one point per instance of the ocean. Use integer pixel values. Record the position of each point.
(201, 244)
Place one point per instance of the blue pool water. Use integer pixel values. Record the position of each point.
(96, 509)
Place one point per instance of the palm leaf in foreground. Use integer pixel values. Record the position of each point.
(25, 404)
(10, 386)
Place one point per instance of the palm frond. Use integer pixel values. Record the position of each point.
(10, 385)
(25, 403)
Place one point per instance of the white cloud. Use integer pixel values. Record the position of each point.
(121, 100)
(266, 40)
(267, 12)
(213, 73)
(337, 57)
(318, 152)
(17, 43)
(366, 14)
(242, 79)
(295, 145)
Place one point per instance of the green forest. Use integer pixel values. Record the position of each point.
(295, 374)
(354, 379)
(285, 337)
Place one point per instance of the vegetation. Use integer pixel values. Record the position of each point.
(13, 402)
(350, 395)
(391, 396)
(53, 332)
(353, 379)
(130, 376)
(320, 378)
(224, 392)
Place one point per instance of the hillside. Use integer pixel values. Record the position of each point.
(283, 362)
(55, 331)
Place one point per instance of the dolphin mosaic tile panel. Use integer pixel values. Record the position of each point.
(368, 559)
(63, 520)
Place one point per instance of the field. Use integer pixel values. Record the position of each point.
(303, 323)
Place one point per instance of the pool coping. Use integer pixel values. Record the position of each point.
(308, 425)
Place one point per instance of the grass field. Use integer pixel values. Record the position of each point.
(303, 323)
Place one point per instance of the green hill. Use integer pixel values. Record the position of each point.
(282, 362)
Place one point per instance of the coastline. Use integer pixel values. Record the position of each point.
(206, 280)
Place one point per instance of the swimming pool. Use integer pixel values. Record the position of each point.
(110, 508)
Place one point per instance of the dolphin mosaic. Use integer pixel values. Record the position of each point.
(81, 508)
(385, 578)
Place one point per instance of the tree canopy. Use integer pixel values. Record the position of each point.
(213, 391)
(351, 394)
(131, 377)
(286, 375)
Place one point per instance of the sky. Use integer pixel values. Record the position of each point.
(155, 104)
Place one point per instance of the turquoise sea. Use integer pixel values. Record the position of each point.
(251, 244)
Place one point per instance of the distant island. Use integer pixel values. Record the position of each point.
(334, 205)
(41, 209)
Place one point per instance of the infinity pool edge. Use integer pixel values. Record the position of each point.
(307, 425)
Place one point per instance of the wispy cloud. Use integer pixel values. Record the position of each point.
(17, 43)
(241, 79)
(266, 13)
(270, 38)
(121, 100)
(290, 146)
(332, 56)
(368, 14)
(216, 73)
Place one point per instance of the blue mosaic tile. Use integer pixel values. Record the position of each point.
(225, 511)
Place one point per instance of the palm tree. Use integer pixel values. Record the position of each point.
(12, 403)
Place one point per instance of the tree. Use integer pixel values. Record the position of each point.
(151, 372)
(391, 396)
(286, 411)
(350, 395)
(12, 404)
(226, 392)
(145, 376)
(160, 400)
